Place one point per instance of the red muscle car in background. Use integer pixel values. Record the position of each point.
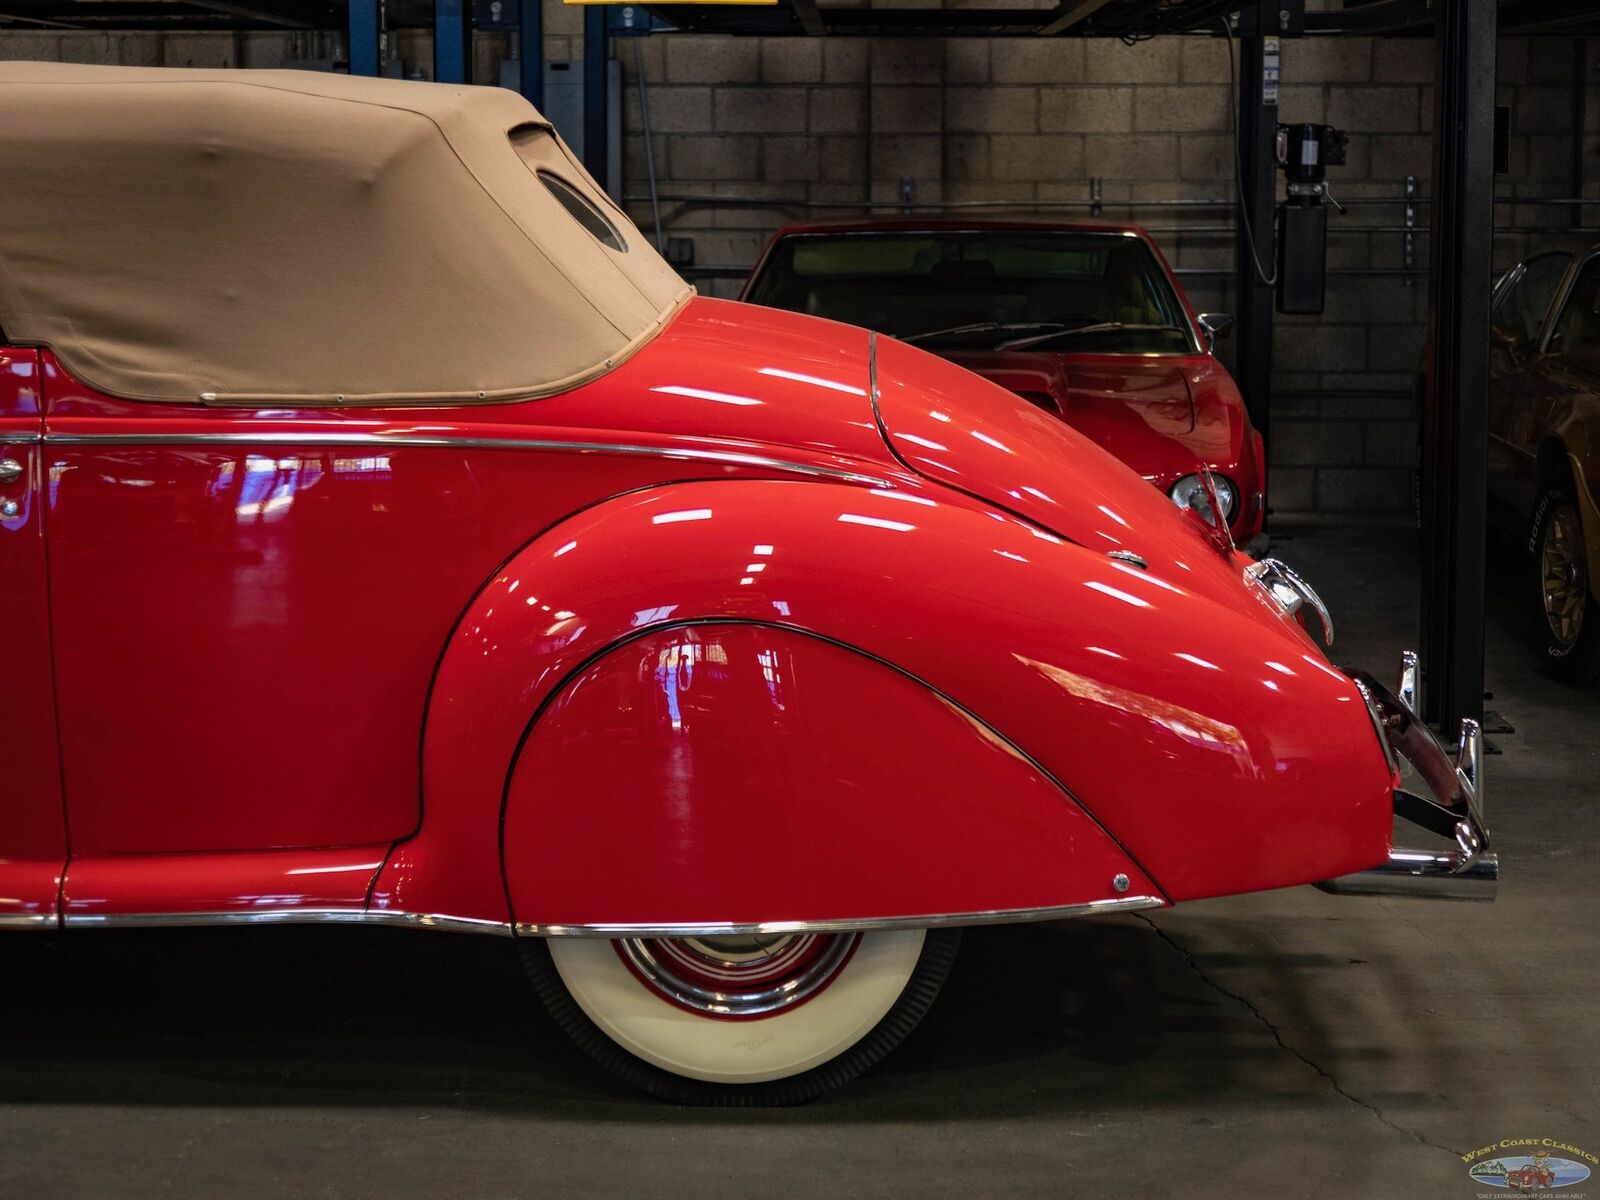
(1083, 319)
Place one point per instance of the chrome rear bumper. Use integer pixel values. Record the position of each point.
(1423, 873)
(1467, 871)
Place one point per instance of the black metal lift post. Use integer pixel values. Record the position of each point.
(596, 122)
(1455, 428)
(1258, 182)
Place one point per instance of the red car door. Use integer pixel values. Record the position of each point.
(32, 835)
(245, 628)
(249, 605)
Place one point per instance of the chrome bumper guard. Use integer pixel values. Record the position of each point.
(1469, 871)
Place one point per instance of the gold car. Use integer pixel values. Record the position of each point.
(1544, 425)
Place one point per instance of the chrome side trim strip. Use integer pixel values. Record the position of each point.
(20, 439)
(449, 924)
(686, 454)
(288, 916)
(439, 921)
(35, 921)
(999, 916)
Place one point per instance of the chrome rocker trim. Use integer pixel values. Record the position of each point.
(43, 922)
(1000, 916)
(287, 916)
(449, 924)
(1469, 871)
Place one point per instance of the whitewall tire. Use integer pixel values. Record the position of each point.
(738, 1020)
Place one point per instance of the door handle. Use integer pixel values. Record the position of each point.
(10, 470)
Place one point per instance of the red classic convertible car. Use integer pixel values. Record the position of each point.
(1085, 320)
(388, 536)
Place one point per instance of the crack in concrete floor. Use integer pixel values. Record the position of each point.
(1278, 1037)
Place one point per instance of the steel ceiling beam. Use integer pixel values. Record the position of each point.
(1379, 17)
(809, 16)
(39, 22)
(1416, 17)
(1069, 13)
(250, 13)
(1549, 16)
(109, 15)
(1110, 18)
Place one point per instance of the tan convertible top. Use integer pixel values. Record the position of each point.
(294, 237)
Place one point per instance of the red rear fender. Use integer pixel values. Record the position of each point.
(1207, 737)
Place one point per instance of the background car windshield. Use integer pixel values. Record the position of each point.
(1525, 297)
(916, 284)
(1576, 335)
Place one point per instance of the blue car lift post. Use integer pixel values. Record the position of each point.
(366, 21)
(452, 41)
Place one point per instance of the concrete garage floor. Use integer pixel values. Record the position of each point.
(1284, 1044)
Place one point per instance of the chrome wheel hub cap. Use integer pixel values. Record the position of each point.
(738, 977)
(1563, 575)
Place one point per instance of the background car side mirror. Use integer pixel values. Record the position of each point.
(1216, 325)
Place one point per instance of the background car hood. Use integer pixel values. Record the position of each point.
(1141, 409)
(949, 425)
(1093, 390)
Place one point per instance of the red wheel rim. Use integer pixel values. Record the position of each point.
(738, 977)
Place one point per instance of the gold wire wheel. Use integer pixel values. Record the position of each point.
(1564, 575)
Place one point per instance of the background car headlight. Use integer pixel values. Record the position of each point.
(1189, 492)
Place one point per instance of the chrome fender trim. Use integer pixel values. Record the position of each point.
(999, 916)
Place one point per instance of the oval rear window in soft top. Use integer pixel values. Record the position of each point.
(583, 211)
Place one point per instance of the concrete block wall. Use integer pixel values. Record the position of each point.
(805, 129)
(1030, 122)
